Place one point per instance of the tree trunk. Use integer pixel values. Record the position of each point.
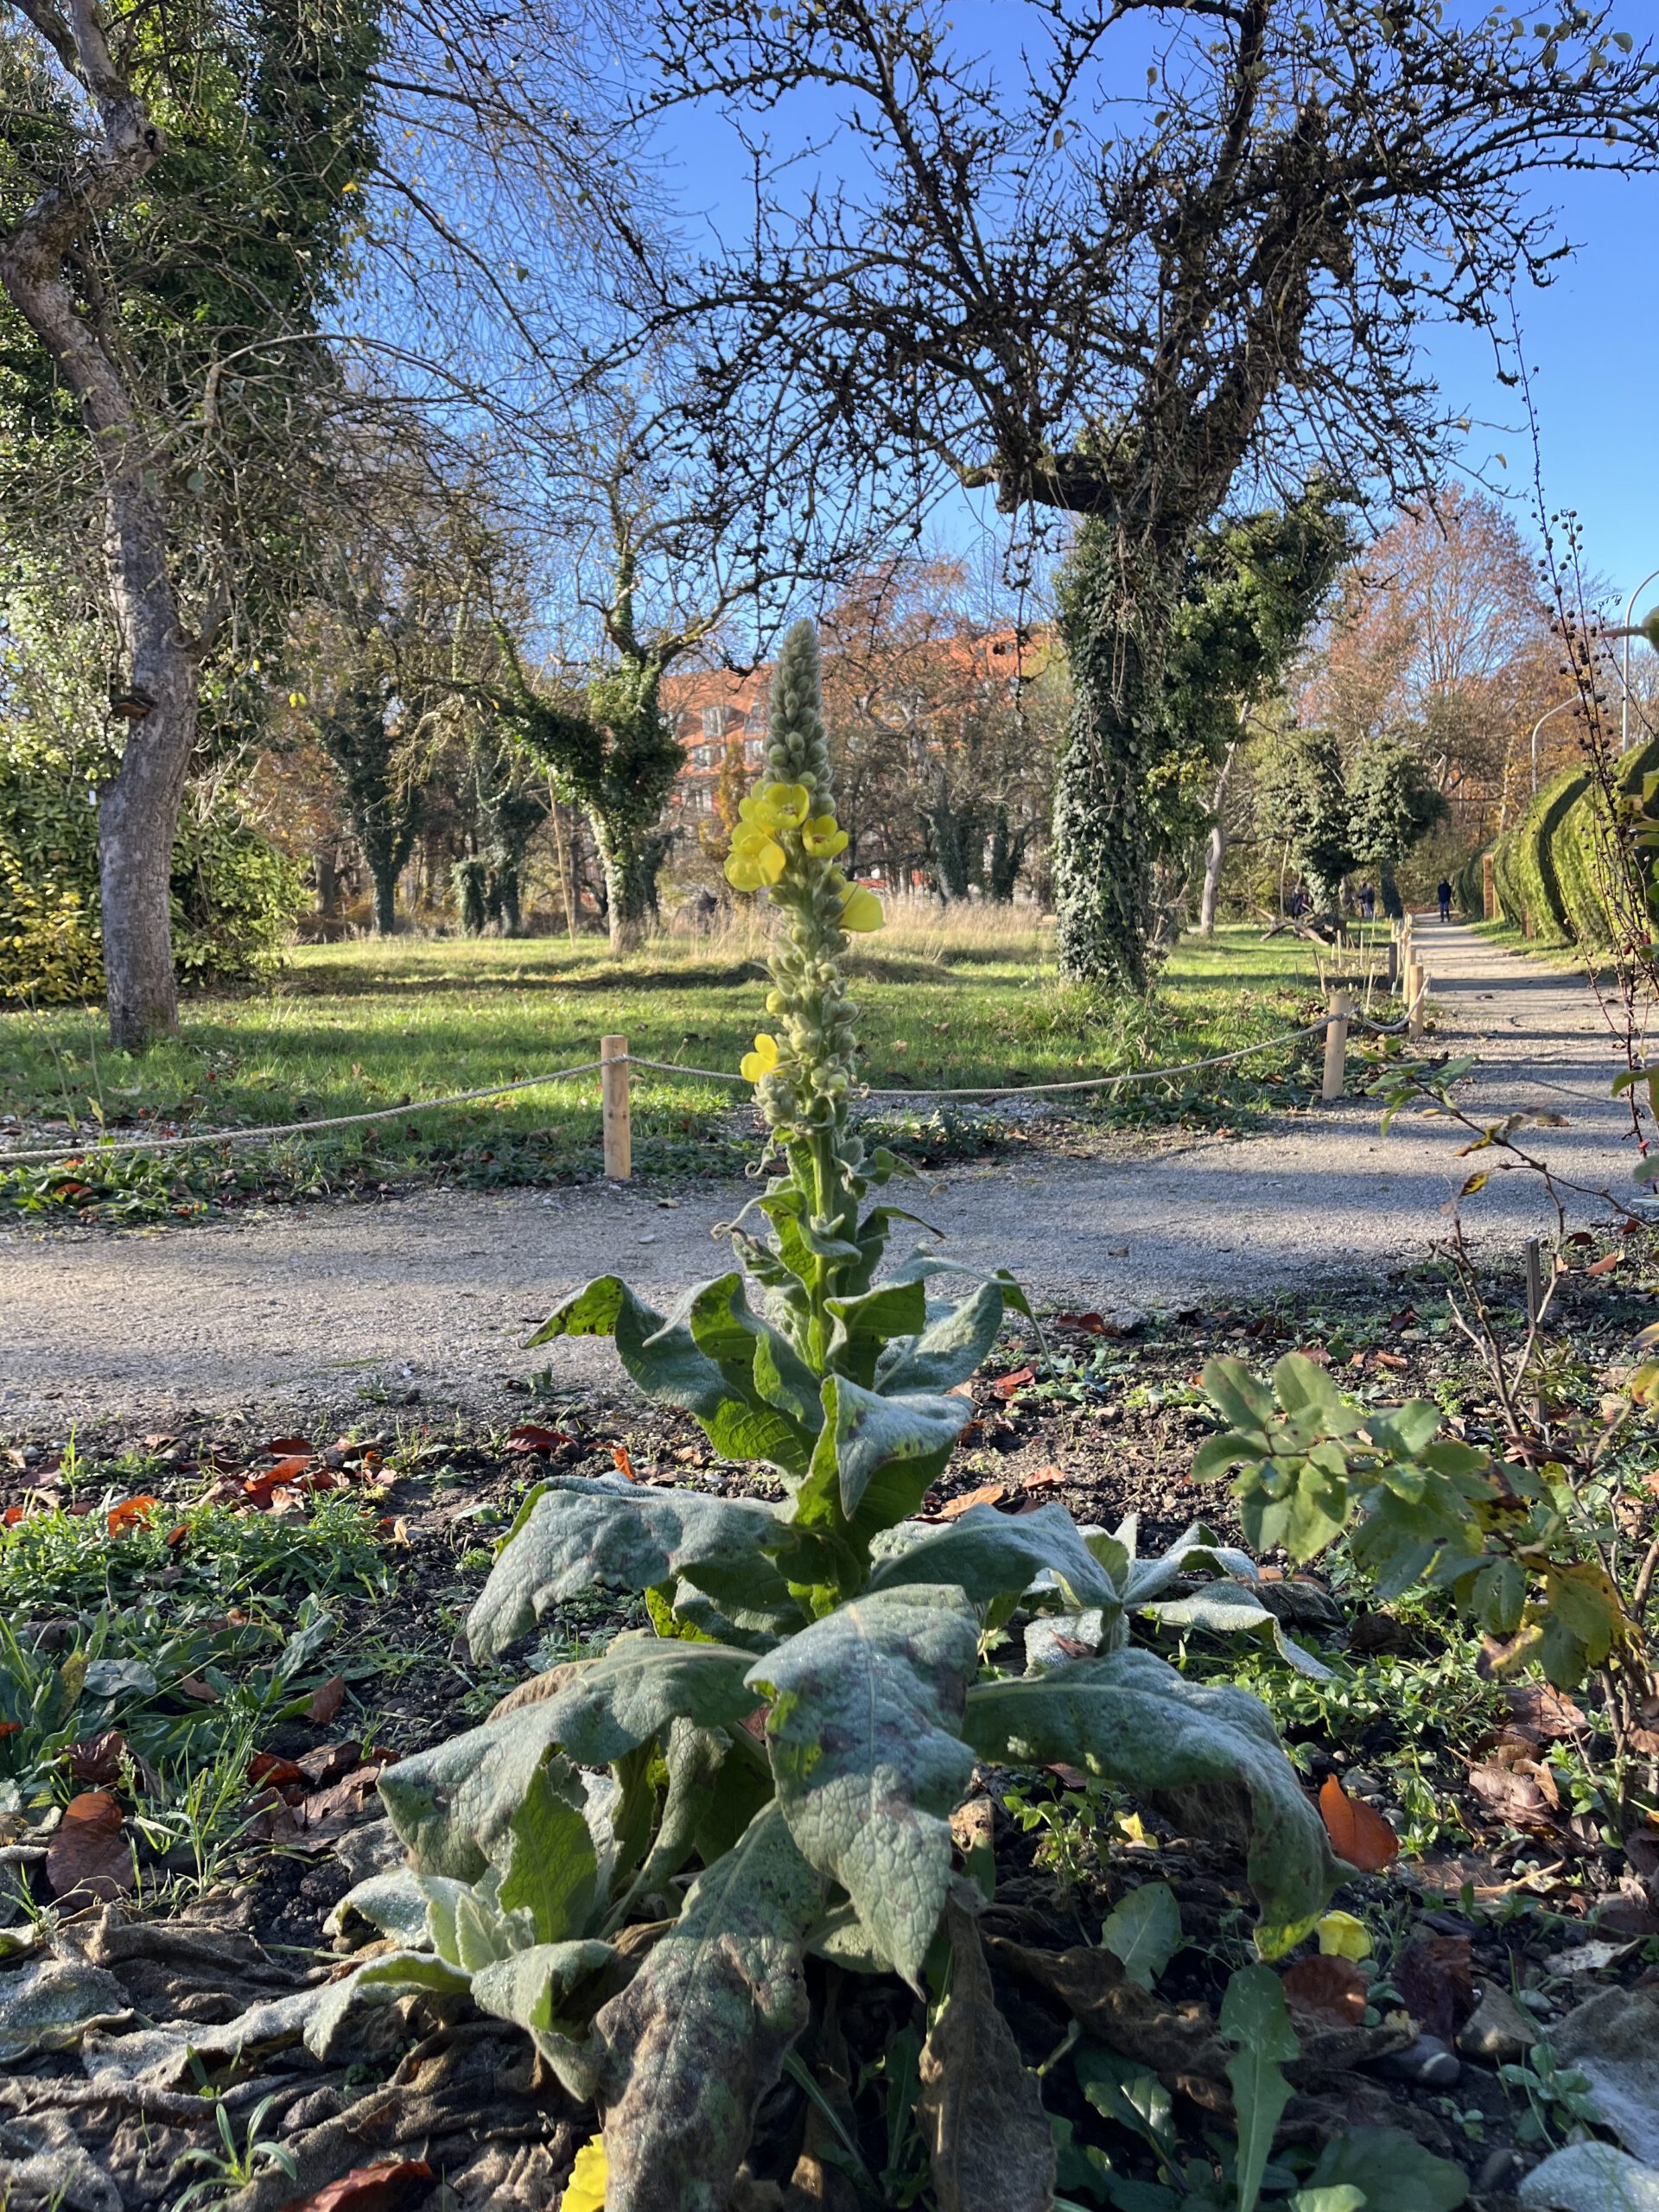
(138, 809)
(1215, 853)
(327, 866)
(385, 897)
(1112, 629)
(630, 863)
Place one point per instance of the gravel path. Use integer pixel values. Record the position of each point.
(330, 1309)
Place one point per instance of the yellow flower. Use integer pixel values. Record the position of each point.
(761, 1061)
(586, 2190)
(823, 838)
(1342, 1936)
(862, 910)
(756, 859)
(778, 806)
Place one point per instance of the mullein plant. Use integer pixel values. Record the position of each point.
(647, 1859)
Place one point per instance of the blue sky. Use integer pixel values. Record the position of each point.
(1592, 338)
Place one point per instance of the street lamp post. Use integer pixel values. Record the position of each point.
(1543, 718)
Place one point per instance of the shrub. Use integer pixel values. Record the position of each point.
(807, 1708)
(235, 897)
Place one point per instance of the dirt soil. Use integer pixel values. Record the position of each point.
(430, 1299)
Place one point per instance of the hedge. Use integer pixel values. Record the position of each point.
(1546, 868)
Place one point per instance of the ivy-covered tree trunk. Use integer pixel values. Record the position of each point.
(1112, 623)
(632, 861)
(385, 870)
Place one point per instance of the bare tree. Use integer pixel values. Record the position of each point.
(1122, 309)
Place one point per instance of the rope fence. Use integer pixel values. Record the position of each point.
(615, 1061)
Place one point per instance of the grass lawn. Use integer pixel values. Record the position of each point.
(368, 1024)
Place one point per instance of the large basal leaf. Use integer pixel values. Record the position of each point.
(663, 1357)
(1195, 1551)
(451, 1804)
(699, 2035)
(991, 1554)
(948, 1350)
(1214, 1752)
(863, 1731)
(579, 1532)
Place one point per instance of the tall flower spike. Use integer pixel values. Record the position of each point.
(798, 752)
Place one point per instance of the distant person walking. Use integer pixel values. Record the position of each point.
(1444, 894)
(1367, 902)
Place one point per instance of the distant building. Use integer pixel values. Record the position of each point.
(707, 707)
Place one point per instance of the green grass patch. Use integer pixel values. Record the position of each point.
(207, 1556)
(364, 1026)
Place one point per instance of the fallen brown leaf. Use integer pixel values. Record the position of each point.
(1435, 1977)
(379, 2188)
(325, 1701)
(90, 1858)
(1331, 1990)
(980, 2109)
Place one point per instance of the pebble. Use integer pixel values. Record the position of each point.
(1497, 2031)
(1427, 2062)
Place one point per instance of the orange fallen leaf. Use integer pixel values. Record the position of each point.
(625, 1465)
(1604, 1267)
(1392, 1359)
(284, 1447)
(1357, 1831)
(1050, 1477)
(987, 1494)
(131, 1513)
(1006, 1385)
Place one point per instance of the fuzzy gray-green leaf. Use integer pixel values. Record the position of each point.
(863, 1733)
(1212, 1753)
(948, 1350)
(897, 1444)
(579, 1532)
(991, 1554)
(696, 2040)
(450, 1804)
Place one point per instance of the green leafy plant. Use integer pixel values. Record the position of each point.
(233, 2166)
(1309, 1465)
(637, 1855)
(1561, 2106)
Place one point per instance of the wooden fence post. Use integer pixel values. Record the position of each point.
(1416, 996)
(1336, 1045)
(614, 1098)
